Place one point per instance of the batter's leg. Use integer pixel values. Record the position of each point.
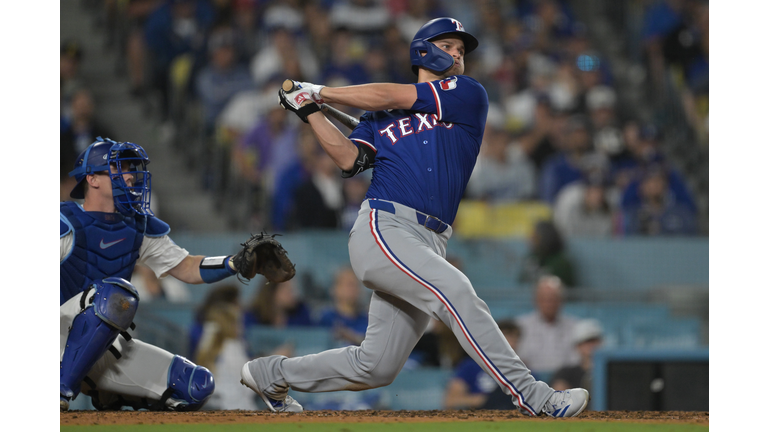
(394, 328)
(409, 260)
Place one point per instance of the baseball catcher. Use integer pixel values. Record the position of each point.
(101, 241)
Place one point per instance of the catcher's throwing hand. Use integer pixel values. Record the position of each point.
(262, 254)
(299, 100)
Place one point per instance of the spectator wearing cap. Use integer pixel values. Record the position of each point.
(572, 163)
(223, 77)
(582, 209)
(587, 337)
(601, 106)
(644, 153)
(658, 212)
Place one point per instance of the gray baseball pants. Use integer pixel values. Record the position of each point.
(404, 264)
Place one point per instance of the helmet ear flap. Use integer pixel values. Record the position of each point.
(425, 53)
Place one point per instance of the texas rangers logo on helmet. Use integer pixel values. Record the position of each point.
(459, 27)
(448, 83)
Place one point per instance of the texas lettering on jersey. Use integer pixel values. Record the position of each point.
(408, 126)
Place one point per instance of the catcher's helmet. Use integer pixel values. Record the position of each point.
(127, 158)
(436, 59)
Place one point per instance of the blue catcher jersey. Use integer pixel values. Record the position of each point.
(425, 155)
(105, 244)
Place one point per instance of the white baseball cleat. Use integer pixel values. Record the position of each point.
(63, 404)
(288, 404)
(567, 403)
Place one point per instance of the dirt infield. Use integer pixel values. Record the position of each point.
(144, 417)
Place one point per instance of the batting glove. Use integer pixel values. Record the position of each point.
(314, 89)
(298, 101)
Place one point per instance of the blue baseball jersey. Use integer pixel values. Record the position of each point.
(425, 155)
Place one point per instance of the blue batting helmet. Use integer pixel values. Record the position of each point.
(127, 158)
(434, 58)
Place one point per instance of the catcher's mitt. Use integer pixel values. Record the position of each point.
(264, 255)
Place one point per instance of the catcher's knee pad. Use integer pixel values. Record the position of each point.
(94, 330)
(189, 385)
(115, 302)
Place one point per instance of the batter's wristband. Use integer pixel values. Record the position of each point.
(306, 110)
(214, 269)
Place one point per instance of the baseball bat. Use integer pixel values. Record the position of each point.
(345, 119)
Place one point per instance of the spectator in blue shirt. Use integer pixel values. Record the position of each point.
(470, 386)
(222, 77)
(658, 212)
(347, 317)
(278, 305)
(572, 162)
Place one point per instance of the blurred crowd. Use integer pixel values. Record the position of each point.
(557, 131)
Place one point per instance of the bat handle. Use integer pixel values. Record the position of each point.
(289, 85)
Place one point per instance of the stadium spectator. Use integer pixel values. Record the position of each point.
(645, 154)
(136, 13)
(354, 190)
(546, 343)
(587, 337)
(470, 386)
(151, 288)
(545, 136)
(572, 162)
(79, 131)
(503, 173)
(347, 316)
(70, 80)
(262, 155)
(547, 256)
(222, 78)
(346, 58)
(284, 54)
(176, 28)
(278, 305)
(360, 16)
(293, 176)
(217, 342)
(582, 209)
(658, 212)
(318, 200)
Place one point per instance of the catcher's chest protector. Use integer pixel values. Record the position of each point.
(105, 244)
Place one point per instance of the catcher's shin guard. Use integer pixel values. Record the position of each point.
(189, 386)
(94, 330)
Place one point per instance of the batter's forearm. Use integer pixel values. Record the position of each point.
(372, 97)
(336, 144)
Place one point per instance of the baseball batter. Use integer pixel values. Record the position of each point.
(422, 140)
(101, 242)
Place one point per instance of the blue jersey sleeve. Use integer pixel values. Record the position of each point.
(457, 99)
(363, 133)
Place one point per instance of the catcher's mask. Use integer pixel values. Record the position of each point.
(126, 158)
(434, 58)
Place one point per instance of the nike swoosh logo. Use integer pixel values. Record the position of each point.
(110, 244)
